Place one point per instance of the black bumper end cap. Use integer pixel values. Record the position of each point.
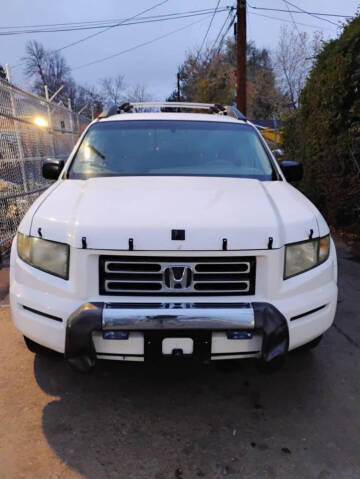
(82, 364)
(275, 332)
(80, 351)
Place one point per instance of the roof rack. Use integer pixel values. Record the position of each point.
(217, 108)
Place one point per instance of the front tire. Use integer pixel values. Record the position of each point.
(312, 345)
(39, 349)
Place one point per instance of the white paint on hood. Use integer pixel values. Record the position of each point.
(109, 211)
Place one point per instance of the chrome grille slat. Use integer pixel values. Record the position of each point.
(223, 281)
(145, 275)
(132, 281)
(215, 267)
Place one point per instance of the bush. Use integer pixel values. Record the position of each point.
(324, 133)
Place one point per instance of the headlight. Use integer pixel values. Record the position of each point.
(48, 256)
(300, 257)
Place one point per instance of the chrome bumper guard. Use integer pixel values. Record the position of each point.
(213, 316)
(262, 317)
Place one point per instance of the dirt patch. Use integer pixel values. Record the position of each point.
(4, 283)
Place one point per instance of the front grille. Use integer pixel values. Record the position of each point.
(151, 275)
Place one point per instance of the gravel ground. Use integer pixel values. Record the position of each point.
(136, 421)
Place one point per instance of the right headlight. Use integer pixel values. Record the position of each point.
(300, 257)
(49, 256)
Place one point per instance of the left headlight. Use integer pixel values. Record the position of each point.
(48, 256)
(300, 257)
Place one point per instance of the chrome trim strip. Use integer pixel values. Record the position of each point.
(167, 317)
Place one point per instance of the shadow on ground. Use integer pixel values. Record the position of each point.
(182, 420)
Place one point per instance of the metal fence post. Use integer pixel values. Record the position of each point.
(17, 131)
(51, 130)
(71, 121)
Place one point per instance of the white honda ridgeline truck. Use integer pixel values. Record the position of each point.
(172, 234)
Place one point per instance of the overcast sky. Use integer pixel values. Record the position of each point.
(153, 65)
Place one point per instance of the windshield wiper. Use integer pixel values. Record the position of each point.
(97, 152)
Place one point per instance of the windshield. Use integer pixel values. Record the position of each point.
(171, 148)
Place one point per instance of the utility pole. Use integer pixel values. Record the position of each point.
(241, 56)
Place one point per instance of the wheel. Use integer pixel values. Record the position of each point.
(39, 349)
(313, 344)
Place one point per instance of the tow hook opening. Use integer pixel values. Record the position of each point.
(178, 353)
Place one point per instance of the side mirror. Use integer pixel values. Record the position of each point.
(278, 153)
(293, 170)
(52, 168)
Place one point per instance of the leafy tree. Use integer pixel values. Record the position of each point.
(211, 77)
(324, 133)
(263, 98)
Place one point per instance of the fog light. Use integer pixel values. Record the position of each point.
(238, 334)
(115, 335)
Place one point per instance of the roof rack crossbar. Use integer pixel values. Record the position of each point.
(212, 107)
(172, 104)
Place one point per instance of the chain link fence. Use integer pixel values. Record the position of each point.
(31, 130)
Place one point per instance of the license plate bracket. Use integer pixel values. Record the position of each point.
(153, 344)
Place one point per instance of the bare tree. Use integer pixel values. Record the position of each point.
(293, 59)
(45, 67)
(113, 90)
(84, 98)
(139, 93)
(35, 60)
(48, 67)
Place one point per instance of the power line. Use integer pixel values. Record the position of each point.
(140, 20)
(208, 29)
(299, 12)
(222, 28)
(295, 25)
(106, 22)
(311, 14)
(113, 26)
(102, 31)
(138, 46)
(226, 32)
(289, 21)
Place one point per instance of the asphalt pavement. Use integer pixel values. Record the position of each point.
(186, 421)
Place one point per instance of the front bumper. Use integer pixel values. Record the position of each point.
(174, 320)
(42, 306)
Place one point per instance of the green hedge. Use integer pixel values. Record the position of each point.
(324, 133)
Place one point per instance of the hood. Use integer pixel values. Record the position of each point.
(109, 211)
